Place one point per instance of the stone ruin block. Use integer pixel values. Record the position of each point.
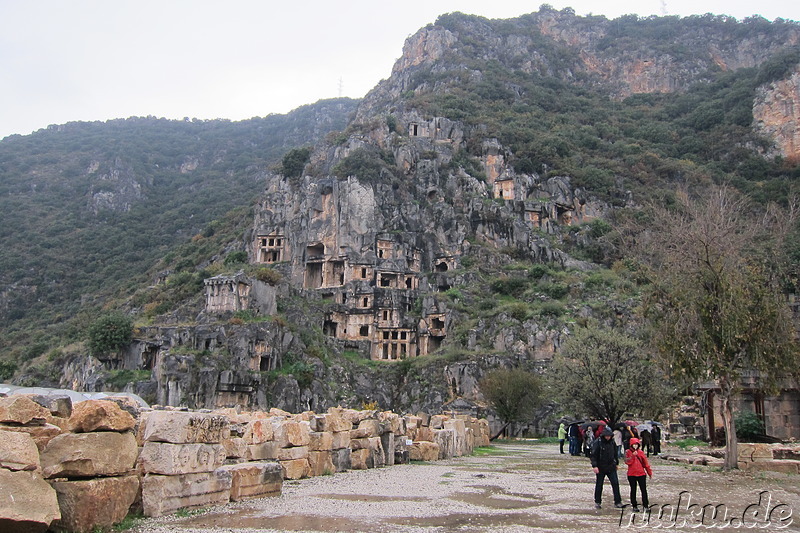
(290, 433)
(786, 453)
(341, 459)
(58, 405)
(361, 459)
(424, 433)
(412, 422)
(258, 431)
(785, 466)
(260, 452)
(166, 494)
(41, 435)
(371, 427)
(292, 453)
(235, 448)
(460, 446)
(362, 443)
(423, 451)
(445, 438)
(175, 459)
(18, 452)
(104, 453)
(253, 480)
(295, 468)
(753, 452)
(393, 423)
(360, 433)
(92, 504)
(437, 421)
(180, 427)
(320, 441)
(22, 410)
(321, 463)
(387, 444)
(99, 415)
(28, 504)
(340, 439)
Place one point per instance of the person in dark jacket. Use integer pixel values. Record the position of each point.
(604, 459)
(574, 434)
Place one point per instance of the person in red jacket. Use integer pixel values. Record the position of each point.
(638, 471)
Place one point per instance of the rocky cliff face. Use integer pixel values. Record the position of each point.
(777, 114)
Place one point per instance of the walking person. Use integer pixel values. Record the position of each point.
(574, 434)
(618, 442)
(656, 436)
(588, 439)
(604, 464)
(562, 435)
(638, 471)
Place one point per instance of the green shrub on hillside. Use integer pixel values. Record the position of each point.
(109, 333)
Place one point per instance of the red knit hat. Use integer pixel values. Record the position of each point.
(634, 440)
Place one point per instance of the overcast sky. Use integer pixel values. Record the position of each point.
(63, 61)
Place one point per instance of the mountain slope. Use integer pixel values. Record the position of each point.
(87, 208)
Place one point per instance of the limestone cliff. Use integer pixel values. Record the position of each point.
(777, 114)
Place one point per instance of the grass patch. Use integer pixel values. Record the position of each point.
(546, 440)
(480, 451)
(129, 522)
(689, 443)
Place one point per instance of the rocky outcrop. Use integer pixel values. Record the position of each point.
(776, 114)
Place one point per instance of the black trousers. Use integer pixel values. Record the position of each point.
(561, 445)
(598, 486)
(641, 481)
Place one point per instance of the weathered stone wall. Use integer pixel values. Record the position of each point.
(84, 468)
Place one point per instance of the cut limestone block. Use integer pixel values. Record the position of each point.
(290, 433)
(446, 439)
(89, 454)
(321, 463)
(99, 415)
(295, 452)
(258, 431)
(28, 503)
(18, 451)
(21, 410)
(423, 451)
(341, 459)
(235, 448)
(174, 459)
(180, 427)
(41, 435)
(295, 468)
(259, 452)
(253, 480)
(166, 494)
(340, 439)
(361, 459)
(321, 441)
(92, 504)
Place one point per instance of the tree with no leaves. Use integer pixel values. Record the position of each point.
(514, 394)
(604, 373)
(716, 302)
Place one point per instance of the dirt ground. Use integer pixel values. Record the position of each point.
(520, 487)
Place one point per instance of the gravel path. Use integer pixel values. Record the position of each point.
(517, 488)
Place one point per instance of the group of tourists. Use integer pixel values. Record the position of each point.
(605, 446)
